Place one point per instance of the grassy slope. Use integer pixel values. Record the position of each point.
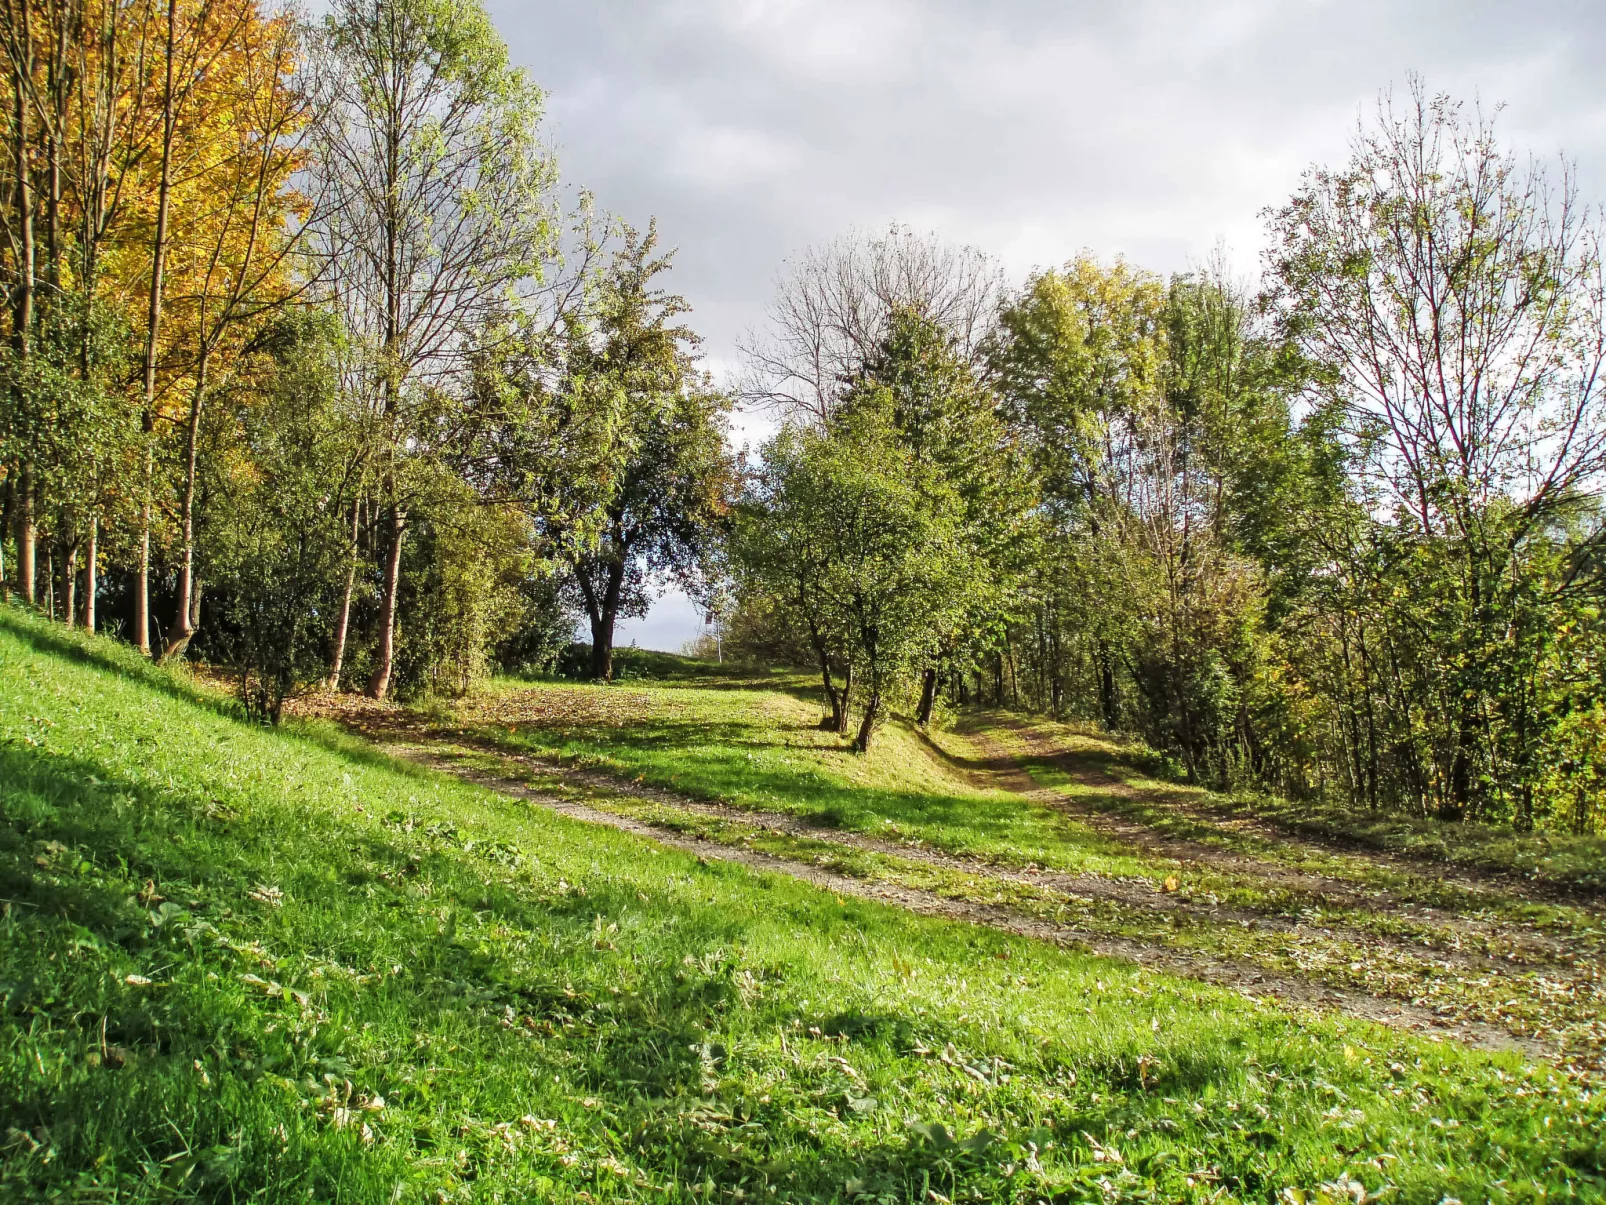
(1563, 861)
(752, 742)
(226, 975)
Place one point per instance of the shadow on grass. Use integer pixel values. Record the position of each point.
(108, 655)
(647, 1052)
(1562, 866)
(682, 756)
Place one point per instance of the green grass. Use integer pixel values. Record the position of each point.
(245, 965)
(756, 743)
(1340, 917)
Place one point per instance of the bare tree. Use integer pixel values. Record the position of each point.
(1460, 299)
(832, 308)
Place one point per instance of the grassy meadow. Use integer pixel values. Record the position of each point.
(248, 965)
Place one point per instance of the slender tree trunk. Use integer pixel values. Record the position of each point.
(379, 684)
(69, 587)
(1014, 674)
(835, 699)
(27, 543)
(928, 696)
(91, 573)
(182, 630)
(23, 303)
(1107, 702)
(142, 575)
(153, 330)
(343, 624)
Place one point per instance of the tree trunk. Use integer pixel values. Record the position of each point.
(928, 697)
(182, 630)
(69, 587)
(153, 329)
(1107, 688)
(836, 699)
(91, 574)
(23, 294)
(603, 613)
(1014, 674)
(833, 697)
(872, 711)
(1456, 803)
(142, 576)
(27, 545)
(998, 679)
(343, 624)
(602, 646)
(379, 684)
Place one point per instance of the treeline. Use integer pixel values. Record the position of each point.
(1337, 534)
(308, 367)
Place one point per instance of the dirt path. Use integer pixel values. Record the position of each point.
(1532, 947)
(1256, 982)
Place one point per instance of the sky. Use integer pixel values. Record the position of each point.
(1159, 130)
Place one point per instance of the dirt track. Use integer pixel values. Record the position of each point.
(411, 738)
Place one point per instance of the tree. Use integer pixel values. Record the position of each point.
(429, 155)
(670, 476)
(244, 247)
(784, 548)
(1456, 304)
(278, 529)
(950, 423)
(834, 308)
(1076, 352)
(872, 539)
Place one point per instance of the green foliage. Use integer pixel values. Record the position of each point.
(667, 473)
(463, 580)
(277, 535)
(888, 539)
(864, 539)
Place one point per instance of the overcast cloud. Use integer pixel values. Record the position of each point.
(1153, 129)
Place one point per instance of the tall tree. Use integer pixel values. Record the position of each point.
(834, 308)
(1457, 302)
(438, 186)
(243, 250)
(670, 476)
